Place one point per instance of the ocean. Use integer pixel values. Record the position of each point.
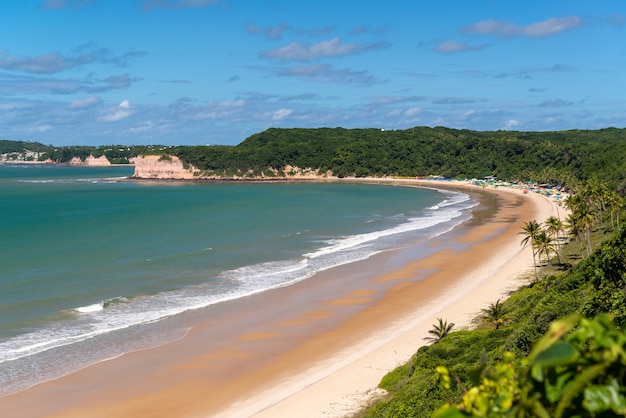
(94, 265)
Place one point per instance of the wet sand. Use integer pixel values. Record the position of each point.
(312, 349)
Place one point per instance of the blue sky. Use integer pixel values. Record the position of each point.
(183, 72)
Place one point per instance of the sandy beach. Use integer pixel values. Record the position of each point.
(314, 349)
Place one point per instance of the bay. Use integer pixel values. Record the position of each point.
(95, 265)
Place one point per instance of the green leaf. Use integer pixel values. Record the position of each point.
(557, 330)
(559, 354)
(554, 392)
(577, 386)
(536, 373)
(475, 374)
(450, 412)
(605, 398)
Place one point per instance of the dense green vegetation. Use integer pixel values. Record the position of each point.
(556, 157)
(507, 376)
(563, 157)
(575, 370)
(585, 277)
(7, 146)
(21, 151)
(595, 286)
(116, 154)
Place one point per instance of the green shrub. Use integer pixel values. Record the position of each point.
(575, 370)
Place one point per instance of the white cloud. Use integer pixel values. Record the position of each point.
(270, 32)
(547, 27)
(414, 111)
(176, 4)
(150, 127)
(10, 106)
(453, 46)
(42, 64)
(511, 123)
(232, 103)
(492, 27)
(281, 114)
(61, 4)
(394, 113)
(83, 103)
(39, 129)
(216, 110)
(556, 103)
(325, 73)
(121, 111)
(195, 3)
(552, 26)
(55, 62)
(146, 126)
(297, 51)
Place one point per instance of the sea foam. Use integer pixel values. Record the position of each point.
(95, 324)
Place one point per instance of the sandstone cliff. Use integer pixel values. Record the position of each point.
(91, 161)
(163, 168)
(297, 173)
(169, 167)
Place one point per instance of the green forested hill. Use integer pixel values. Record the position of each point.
(116, 154)
(558, 157)
(7, 146)
(565, 157)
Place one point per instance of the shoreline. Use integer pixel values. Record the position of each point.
(327, 345)
(54, 163)
(335, 392)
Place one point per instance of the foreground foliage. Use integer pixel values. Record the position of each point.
(576, 370)
(594, 287)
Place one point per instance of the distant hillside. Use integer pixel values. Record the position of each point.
(21, 150)
(563, 157)
(34, 151)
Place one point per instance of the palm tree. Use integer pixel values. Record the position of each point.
(439, 331)
(554, 227)
(544, 244)
(586, 222)
(595, 194)
(581, 220)
(496, 313)
(572, 225)
(615, 203)
(530, 230)
(573, 202)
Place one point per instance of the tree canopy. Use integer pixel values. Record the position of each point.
(564, 157)
(560, 157)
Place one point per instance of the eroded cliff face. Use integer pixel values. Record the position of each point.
(162, 168)
(297, 173)
(170, 167)
(91, 161)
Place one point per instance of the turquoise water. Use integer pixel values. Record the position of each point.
(94, 265)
